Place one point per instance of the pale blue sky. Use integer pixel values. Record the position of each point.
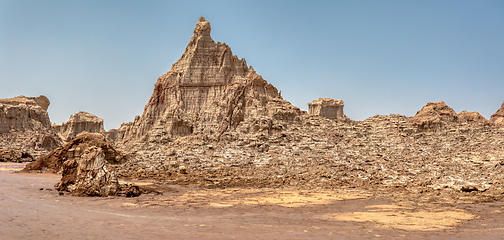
(380, 57)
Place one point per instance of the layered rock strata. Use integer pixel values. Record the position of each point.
(328, 108)
(78, 123)
(208, 91)
(25, 125)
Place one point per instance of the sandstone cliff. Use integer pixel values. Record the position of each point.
(25, 125)
(207, 91)
(80, 122)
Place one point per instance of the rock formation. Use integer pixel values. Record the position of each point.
(207, 91)
(53, 162)
(471, 117)
(498, 117)
(328, 108)
(89, 174)
(25, 125)
(80, 122)
(24, 114)
(434, 115)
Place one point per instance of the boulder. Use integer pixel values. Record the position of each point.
(89, 174)
(328, 108)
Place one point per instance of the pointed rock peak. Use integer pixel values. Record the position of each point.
(202, 27)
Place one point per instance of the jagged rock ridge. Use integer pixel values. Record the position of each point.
(208, 91)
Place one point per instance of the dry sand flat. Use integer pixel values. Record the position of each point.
(32, 209)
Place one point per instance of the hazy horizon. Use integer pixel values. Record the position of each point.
(379, 57)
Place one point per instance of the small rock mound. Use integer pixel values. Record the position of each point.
(434, 116)
(53, 162)
(471, 117)
(498, 117)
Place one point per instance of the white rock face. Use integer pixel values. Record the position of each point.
(327, 107)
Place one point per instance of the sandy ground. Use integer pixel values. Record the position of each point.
(32, 209)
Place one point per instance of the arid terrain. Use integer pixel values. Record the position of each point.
(219, 154)
(32, 209)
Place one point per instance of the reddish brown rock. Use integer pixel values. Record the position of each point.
(498, 117)
(471, 117)
(434, 115)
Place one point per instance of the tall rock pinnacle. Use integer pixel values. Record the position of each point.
(207, 91)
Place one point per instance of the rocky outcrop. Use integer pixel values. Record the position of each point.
(89, 174)
(78, 123)
(498, 117)
(53, 162)
(328, 108)
(25, 125)
(433, 116)
(208, 91)
(24, 114)
(471, 117)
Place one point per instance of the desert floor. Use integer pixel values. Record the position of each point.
(30, 208)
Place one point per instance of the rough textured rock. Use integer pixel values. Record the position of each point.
(498, 117)
(208, 91)
(471, 117)
(434, 115)
(89, 174)
(25, 125)
(78, 123)
(53, 162)
(24, 114)
(328, 108)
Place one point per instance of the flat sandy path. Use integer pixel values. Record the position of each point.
(32, 209)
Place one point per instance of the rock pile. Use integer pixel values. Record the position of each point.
(25, 125)
(328, 108)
